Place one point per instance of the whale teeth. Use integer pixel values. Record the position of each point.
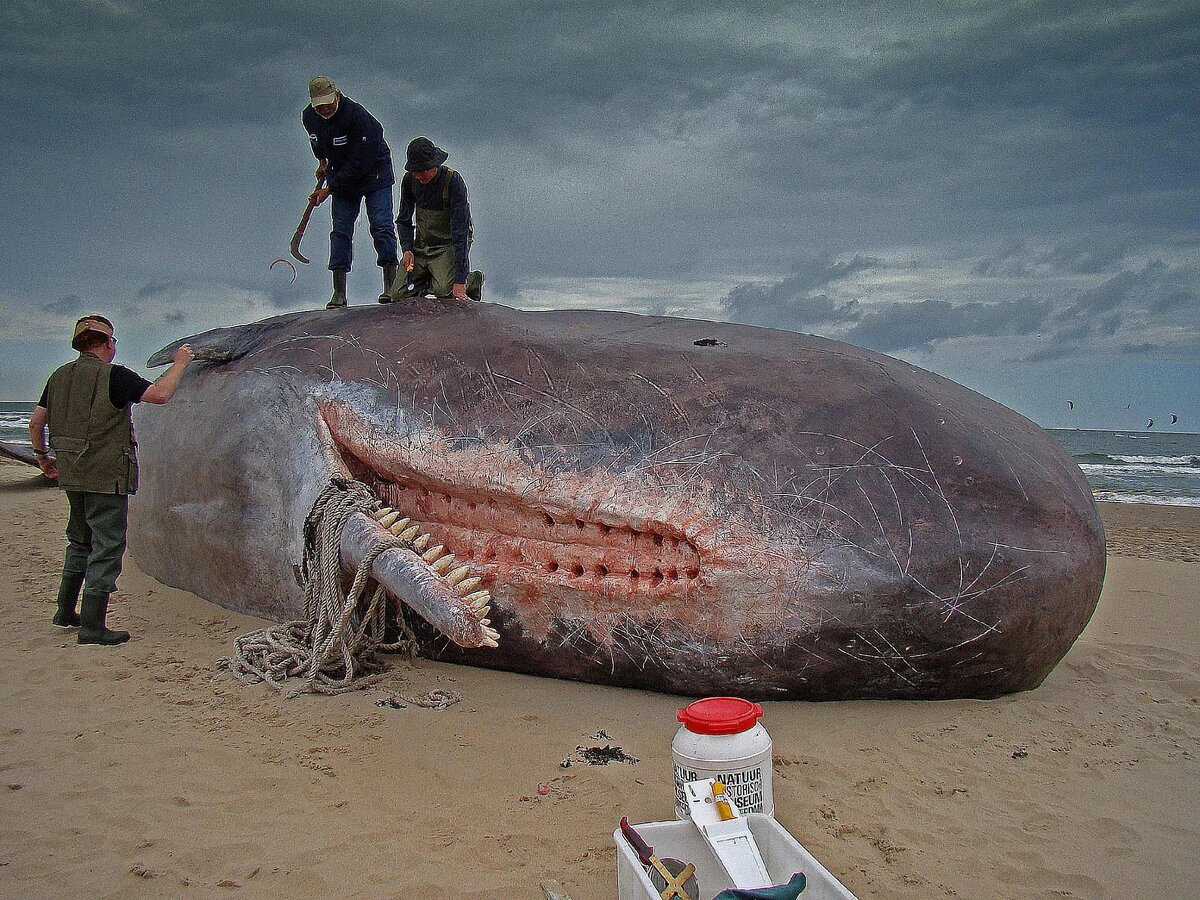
(390, 519)
(442, 566)
(481, 613)
(432, 553)
(491, 634)
(410, 532)
(477, 599)
(398, 527)
(422, 542)
(490, 642)
(466, 587)
(485, 622)
(457, 576)
(382, 512)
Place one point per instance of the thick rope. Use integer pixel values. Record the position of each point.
(438, 698)
(335, 647)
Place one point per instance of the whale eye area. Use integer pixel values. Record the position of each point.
(518, 543)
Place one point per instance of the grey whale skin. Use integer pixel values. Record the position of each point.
(662, 503)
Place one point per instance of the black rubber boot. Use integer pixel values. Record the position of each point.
(338, 300)
(92, 630)
(475, 285)
(390, 272)
(68, 598)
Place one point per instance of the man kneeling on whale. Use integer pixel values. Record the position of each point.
(437, 251)
(87, 405)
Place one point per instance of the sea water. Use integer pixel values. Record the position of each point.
(1126, 466)
(14, 421)
(1137, 466)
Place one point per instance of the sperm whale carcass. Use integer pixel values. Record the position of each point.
(662, 503)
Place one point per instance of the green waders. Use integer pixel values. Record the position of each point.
(433, 253)
(96, 534)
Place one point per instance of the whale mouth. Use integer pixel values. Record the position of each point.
(514, 535)
(534, 543)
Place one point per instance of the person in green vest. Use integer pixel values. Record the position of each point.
(86, 405)
(437, 248)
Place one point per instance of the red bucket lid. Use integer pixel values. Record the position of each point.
(720, 715)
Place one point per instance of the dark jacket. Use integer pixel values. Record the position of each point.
(360, 160)
(446, 191)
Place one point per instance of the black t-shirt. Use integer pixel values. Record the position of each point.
(124, 387)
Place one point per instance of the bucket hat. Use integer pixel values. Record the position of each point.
(424, 154)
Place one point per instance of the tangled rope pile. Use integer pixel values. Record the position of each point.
(334, 648)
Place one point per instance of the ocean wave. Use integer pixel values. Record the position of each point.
(1118, 459)
(1163, 460)
(14, 420)
(1152, 498)
(1113, 470)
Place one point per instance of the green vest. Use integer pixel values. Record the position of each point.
(433, 225)
(93, 442)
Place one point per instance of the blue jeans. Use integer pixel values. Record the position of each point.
(383, 229)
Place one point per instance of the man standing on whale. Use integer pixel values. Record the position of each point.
(356, 163)
(87, 405)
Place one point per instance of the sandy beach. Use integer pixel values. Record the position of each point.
(137, 772)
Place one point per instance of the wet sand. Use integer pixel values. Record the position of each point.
(136, 772)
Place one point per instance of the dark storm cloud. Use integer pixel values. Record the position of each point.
(1075, 333)
(1120, 289)
(159, 288)
(285, 297)
(1041, 145)
(1174, 295)
(798, 301)
(1139, 349)
(67, 304)
(501, 283)
(1011, 261)
(920, 325)
(1087, 255)
(174, 299)
(1123, 77)
(1069, 321)
(1175, 300)
(1126, 304)
(795, 301)
(1110, 324)
(1154, 288)
(664, 127)
(1053, 352)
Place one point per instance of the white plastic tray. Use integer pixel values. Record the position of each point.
(782, 853)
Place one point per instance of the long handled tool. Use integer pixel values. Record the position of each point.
(673, 878)
(312, 204)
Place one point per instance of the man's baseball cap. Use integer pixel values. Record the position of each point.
(321, 90)
(94, 324)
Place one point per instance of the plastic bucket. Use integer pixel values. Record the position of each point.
(722, 738)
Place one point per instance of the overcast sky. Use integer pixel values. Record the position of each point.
(1004, 193)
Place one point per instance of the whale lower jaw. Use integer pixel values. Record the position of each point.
(443, 594)
(467, 538)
